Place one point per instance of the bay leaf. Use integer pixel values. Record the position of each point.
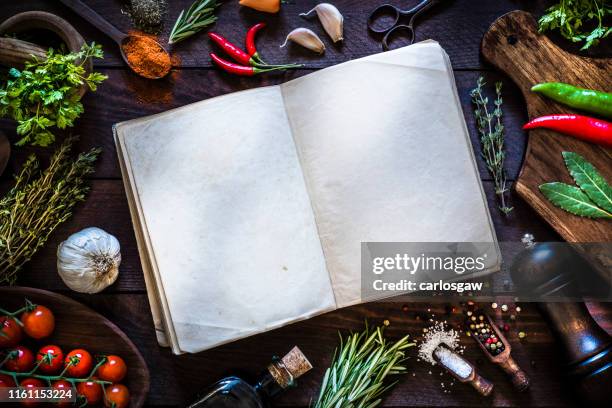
(589, 180)
(573, 200)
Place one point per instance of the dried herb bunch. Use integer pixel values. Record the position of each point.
(358, 374)
(491, 131)
(39, 202)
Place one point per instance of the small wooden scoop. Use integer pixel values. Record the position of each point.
(111, 31)
(519, 378)
(14, 53)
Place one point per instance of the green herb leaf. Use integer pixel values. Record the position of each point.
(492, 135)
(572, 17)
(573, 200)
(200, 15)
(358, 374)
(45, 93)
(589, 180)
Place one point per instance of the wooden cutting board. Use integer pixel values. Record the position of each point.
(514, 46)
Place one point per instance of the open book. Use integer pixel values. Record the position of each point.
(250, 208)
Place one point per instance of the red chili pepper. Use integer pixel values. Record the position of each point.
(243, 70)
(250, 41)
(582, 127)
(231, 67)
(233, 51)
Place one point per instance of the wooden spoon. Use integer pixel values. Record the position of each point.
(111, 31)
(5, 152)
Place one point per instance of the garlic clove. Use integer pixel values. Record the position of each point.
(331, 19)
(306, 38)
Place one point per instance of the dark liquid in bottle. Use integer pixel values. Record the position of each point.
(231, 392)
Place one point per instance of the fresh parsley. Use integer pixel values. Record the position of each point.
(572, 17)
(45, 93)
(593, 196)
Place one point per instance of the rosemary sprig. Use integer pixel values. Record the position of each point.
(357, 375)
(491, 132)
(200, 15)
(38, 203)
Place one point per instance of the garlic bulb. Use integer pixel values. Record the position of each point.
(88, 261)
(306, 38)
(331, 19)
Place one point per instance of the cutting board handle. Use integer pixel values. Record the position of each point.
(514, 45)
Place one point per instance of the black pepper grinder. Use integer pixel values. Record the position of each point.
(546, 269)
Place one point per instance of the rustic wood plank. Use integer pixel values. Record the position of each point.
(126, 96)
(107, 208)
(459, 32)
(175, 380)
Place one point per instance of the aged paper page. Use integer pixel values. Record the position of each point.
(387, 157)
(231, 234)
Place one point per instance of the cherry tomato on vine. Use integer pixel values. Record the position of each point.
(6, 381)
(31, 384)
(22, 362)
(53, 363)
(63, 385)
(117, 396)
(113, 370)
(79, 363)
(90, 390)
(39, 323)
(10, 332)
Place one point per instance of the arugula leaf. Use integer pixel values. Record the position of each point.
(45, 93)
(573, 200)
(589, 180)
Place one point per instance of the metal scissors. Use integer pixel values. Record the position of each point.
(397, 15)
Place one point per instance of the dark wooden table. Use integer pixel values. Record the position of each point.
(459, 27)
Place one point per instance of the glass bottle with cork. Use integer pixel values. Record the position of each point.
(234, 392)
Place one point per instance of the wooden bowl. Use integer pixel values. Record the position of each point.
(77, 326)
(5, 152)
(41, 20)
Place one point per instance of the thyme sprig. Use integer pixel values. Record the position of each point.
(200, 15)
(361, 365)
(492, 135)
(38, 203)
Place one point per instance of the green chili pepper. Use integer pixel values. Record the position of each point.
(588, 100)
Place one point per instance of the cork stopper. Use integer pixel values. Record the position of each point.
(286, 370)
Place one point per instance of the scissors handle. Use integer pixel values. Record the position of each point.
(395, 13)
(380, 11)
(401, 30)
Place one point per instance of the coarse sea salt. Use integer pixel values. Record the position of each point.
(453, 362)
(436, 335)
